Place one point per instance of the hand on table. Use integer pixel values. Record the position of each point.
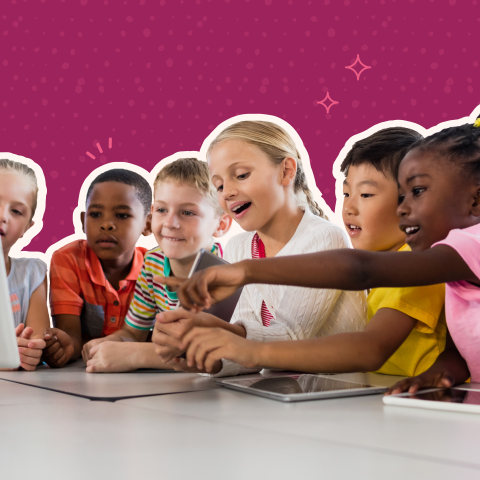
(442, 379)
(206, 347)
(59, 347)
(87, 353)
(30, 350)
(172, 326)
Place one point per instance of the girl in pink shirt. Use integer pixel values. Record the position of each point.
(439, 210)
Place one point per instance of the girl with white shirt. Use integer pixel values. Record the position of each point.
(257, 171)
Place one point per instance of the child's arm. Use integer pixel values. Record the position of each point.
(125, 334)
(124, 357)
(37, 316)
(64, 343)
(345, 352)
(449, 369)
(344, 269)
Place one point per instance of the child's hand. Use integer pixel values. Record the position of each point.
(59, 347)
(170, 328)
(112, 357)
(442, 379)
(87, 353)
(30, 350)
(207, 286)
(206, 347)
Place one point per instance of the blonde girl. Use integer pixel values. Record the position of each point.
(260, 182)
(26, 277)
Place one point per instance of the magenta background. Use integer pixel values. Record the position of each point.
(158, 76)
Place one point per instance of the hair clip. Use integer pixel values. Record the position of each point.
(476, 123)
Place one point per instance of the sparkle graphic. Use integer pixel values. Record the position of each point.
(99, 147)
(357, 61)
(329, 106)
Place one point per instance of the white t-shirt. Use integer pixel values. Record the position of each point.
(26, 275)
(299, 313)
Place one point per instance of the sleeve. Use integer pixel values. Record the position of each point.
(65, 289)
(143, 308)
(467, 245)
(424, 304)
(37, 273)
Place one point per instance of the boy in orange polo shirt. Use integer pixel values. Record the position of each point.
(92, 281)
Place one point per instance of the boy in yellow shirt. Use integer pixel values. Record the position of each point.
(406, 328)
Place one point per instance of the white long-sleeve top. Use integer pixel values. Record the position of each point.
(299, 313)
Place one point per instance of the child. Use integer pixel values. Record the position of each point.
(186, 216)
(439, 212)
(257, 171)
(26, 277)
(92, 281)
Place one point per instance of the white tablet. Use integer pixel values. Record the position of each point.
(457, 399)
(9, 357)
(300, 387)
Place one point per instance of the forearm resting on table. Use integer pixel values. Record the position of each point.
(344, 352)
(145, 357)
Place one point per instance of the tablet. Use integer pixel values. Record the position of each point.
(226, 307)
(299, 388)
(456, 399)
(9, 357)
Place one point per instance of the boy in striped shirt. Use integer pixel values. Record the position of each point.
(186, 216)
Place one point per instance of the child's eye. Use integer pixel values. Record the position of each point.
(417, 191)
(243, 176)
(95, 214)
(188, 213)
(220, 188)
(366, 195)
(346, 195)
(123, 216)
(16, 212)
(401, 198)
(161, 210)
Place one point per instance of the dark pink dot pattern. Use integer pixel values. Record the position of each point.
(158, 75)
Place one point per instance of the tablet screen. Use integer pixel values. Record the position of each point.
(298, 384)
(449, 395)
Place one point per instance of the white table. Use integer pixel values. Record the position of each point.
(217, 433)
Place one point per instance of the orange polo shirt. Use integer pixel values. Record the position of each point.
(78, 286)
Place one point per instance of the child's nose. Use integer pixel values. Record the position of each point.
(3, 214)
(349, 207)
(108, 225)
(228, 190)
(172, 221)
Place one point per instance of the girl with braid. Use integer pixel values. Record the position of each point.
(258, 174)
(439, 210)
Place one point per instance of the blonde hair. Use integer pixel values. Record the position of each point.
(21, 169)
(193, 172)
(277, 144)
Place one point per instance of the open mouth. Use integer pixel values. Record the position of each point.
(173, 239)
(353, 229)
(238, 209)
(411, 230)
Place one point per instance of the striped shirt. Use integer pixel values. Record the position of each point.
(151, 297)
(78, 286)
(258, 251)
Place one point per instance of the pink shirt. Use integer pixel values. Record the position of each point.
(462, 299)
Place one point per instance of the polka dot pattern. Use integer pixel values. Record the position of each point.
(158, 76)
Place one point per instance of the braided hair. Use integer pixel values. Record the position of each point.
(460, 145)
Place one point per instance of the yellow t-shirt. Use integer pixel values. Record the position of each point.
(427, 340)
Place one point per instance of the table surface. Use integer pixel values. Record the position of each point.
(221, 433)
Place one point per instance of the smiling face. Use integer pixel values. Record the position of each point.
(369, 209)
(435, 198)
(114, 220)
(183, 221)
(249, 185)
(16, 200)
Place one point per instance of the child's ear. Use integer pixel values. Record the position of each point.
(289, 171)
(148, 225)
(82, 219)
(223, 226)
(476, 202)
